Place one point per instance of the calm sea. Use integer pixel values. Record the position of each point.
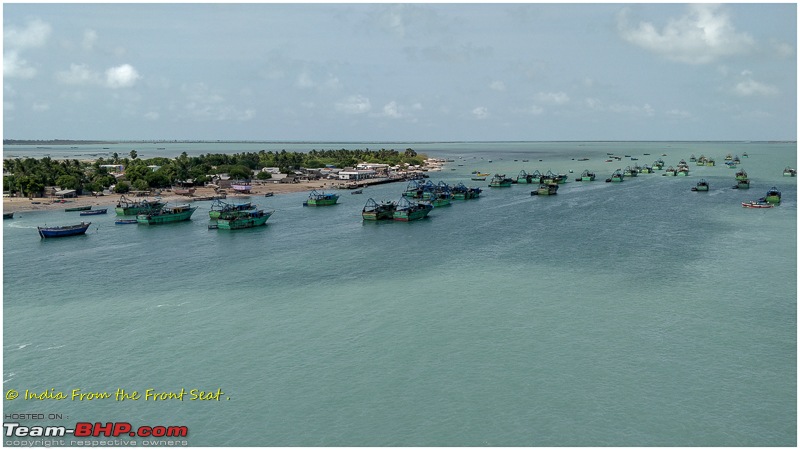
(631, 314)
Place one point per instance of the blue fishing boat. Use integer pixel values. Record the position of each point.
(63, 231)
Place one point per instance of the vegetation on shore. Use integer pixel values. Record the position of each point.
(30, 176)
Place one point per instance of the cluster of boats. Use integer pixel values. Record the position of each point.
(431, 196)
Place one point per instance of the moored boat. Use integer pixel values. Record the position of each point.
(741, 175)
(378, 211)
(523, 177)
(166, 215)
(617, 176)
(586, 175)
(78, 208)
(321, 199)
(773, 196)
(8, 215)
(63, 231)
(407, 211)
(546, 189)
(94, 212)
(500, 181)
(219, 207)
(789, 172)
(127, 207)
(742, 184)
(125, 221)
(702, 186)
(237, 220)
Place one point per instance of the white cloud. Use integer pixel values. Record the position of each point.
(8, 106)
(35, 34)
(40, 106)
(355, 104)
(497, 86)
(705, 34)
(678, 114)
(77, 74)
(554, 98)
(89, 39)
(392, 110)
(618, 108)
(480, 112)
(152, 115)
(121, 76)
(750, 87)
(16, 67)
(203, 104)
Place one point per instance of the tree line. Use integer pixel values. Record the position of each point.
(30, 176)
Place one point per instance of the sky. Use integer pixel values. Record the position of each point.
(400, 72)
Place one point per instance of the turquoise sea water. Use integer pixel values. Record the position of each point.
(632, 314)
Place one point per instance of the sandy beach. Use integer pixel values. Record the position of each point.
(14, 204)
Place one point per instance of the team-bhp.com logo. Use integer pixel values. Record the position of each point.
(86, 429)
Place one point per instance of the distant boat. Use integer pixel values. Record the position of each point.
(586, 176)
(357, 191)
(773, 196)
(269, 194)
(500, 181)
(789, 172)
(125, 221)
(78, 208)
(94, 212)
(407, 211)
(166, 215)
(323, 199)
(127, 207)
(546, 189)
(378, 211)
(219, 207)
(8, 215)
(237, 220)
(63, 231)
(702, 186)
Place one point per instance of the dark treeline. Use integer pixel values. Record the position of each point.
(30, 176)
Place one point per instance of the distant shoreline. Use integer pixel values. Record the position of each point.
(172, 141)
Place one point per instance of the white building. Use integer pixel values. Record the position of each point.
(356, 174)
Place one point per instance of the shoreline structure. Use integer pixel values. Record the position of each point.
(23, 204)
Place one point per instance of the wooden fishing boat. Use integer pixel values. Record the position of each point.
(407, 211)
(237, 220)
(128, 207)
(546, 189)
(8, 215)
(378, 211)
(323, 199)
(219, 207)
(94, 212)
(789, 172)
(500, 181)
(773, 196)
(78, 208)
(125, 221)
(167, 215)
(63, 231)
(702, 186)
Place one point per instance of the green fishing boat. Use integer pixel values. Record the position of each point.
(461, 192)
(586, 175)
(219, 207)
(710, 163)
(670, 172)
(789, 172)
(742, 184)
(741, 175)
(773, 196)
(166, 215)
(440, 199)
(378, 211)
(128, 207)
(617, 177)
(323, 199)
(500, 181)
(407, 211)
(702, 186)
(524, 177)
(236, 220)
(546, 189)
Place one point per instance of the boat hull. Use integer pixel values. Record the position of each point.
(240, 222)
(79, 208)
(158, 219)
(56, 232)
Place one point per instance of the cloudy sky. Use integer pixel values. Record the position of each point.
(392, 72)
